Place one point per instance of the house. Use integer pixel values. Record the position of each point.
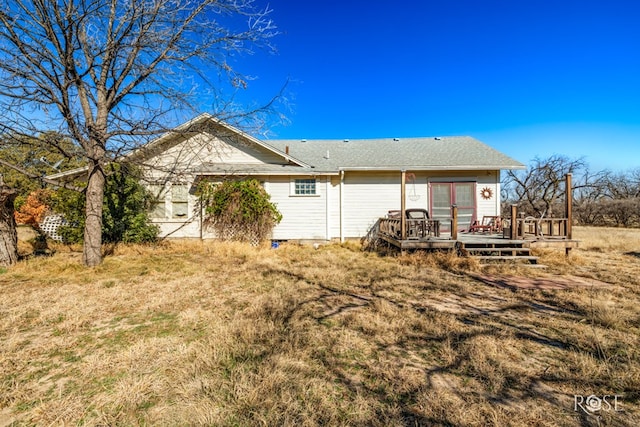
(325, 189)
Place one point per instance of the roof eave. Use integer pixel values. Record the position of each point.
(266, 173)
(429, 168)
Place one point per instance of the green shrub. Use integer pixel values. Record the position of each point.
(125, 210)
(238, 210)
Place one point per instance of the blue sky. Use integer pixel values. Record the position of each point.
(530, 78)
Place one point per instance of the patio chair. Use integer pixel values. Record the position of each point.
(489, 224)
(418, 224)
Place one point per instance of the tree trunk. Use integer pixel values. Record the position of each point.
(92, 248)
(8, 233)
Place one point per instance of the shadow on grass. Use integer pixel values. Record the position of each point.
(482, 380)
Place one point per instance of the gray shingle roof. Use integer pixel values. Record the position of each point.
(397, 153)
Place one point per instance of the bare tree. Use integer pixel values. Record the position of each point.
(107, 73)
(590, 190)
(624, 185)
(540, 187)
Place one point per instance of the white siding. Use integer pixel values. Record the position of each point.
(179, 229)
(417, 196)
(488, 207)
(303, 217)
(367, 197)
(370, 195)
(206, 148)
(171, 165)
(334, 207)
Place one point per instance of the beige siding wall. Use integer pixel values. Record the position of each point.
(179, 228)
(334, 207)
(417, 195)
(303, 217)
(490, 206)
(367, 197)
(171, 166)
(206, 148)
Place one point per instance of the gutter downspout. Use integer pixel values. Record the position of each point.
(341, 206)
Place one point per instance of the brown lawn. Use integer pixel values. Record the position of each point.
(228, 335)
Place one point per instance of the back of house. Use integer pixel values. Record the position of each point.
(324, 189)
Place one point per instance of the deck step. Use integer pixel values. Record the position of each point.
(529, 258)
(502, 252)
(493, 264)
(496, 244)
(506, 250)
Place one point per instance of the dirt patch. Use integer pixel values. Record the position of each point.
(542, 283)
(473, 303)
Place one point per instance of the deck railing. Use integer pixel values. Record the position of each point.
(415, 228)
(522, 227)
(548, 228)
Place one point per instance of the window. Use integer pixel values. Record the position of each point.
(158, 205)
(179, 201)
(169, 201)
(304, 187)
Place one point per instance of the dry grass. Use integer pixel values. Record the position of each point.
(204, 333)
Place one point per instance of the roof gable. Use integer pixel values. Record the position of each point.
(212, 141)
(203, 140)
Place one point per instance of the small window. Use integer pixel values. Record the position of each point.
(179, 201)
(158, 207)
(304, 187)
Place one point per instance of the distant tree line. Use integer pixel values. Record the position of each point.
(602, 198)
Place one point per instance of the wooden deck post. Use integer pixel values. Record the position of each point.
(514, 222)
(454, 222)
(403, 205)
(569, 204)
(568, 190)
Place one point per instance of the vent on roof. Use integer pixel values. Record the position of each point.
(346, 140)
(396, 139)
(326, 156)
(437, 138)
(303, 140)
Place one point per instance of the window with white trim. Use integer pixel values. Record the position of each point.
(170, 201)
(158, 208)
(179, 201)
(304, 187)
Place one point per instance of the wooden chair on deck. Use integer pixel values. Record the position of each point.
(418, 223)
(489, 224)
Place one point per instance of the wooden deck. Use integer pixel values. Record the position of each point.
(493, 236)
(446, 242)
(487, 245)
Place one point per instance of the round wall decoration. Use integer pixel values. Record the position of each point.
(486, 193)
